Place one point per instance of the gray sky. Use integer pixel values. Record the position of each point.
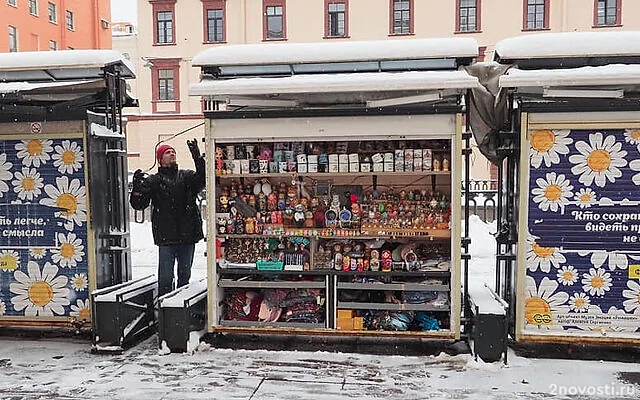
(124, 11)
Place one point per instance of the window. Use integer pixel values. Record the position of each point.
(33, 7)
(12, 3)
(468, 16)
(164, 25)
(69, 19)
(481, 53)
(608, 12)
(164, 20)
(214, 24)
(401, 17)
(53, 13)
(165, 84)
(274, 20)
(536, 14)
(336, 22)
(53, 45)
(13, 39)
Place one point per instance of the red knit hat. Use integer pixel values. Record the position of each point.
(161, 149)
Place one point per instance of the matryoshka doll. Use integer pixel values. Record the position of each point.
(386, 261)
(272, 202)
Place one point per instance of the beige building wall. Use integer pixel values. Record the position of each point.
(305, 19)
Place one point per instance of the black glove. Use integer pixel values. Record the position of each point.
(193, 148)
(138, 178)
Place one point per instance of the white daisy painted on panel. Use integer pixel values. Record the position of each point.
(79, 282)
(37, 253)
(70, 252)
(68, 157)
(28, 183)
(34, 152)
(585, 198)
(70, 197)
(547, 144)
(635, 166)
(81, 310)
(612, 258)
(599, 160)
(579, 302)
(632, 296)
(3, 308)
(542, 257)
(567, 275)
(9, 260)
(596, 282)
(40, 293)
(632, 136)
(5, 174)
(553, 192)
(543, 299)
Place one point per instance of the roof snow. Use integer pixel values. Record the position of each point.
(328, 52)
(570, 44)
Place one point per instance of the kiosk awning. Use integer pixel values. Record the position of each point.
(372, 89)
(61, 65)
(607, 75)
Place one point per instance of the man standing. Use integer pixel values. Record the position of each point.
(175, 217)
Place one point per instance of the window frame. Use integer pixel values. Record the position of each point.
(618, 21)
(158, 6)
(52, 12)
(209, 5)
(265, 20)
(327, 19)
(12, 3)
(525, 16)
(53, 45)
(13, 39)
(478, 26)
(165, 64)
(33, 4)
(69, 22)
(392, 18)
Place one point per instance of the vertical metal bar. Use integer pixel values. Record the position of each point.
(466, 241)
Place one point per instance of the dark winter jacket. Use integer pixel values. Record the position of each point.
(175, 216)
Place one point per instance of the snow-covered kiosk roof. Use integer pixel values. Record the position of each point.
(584, 65)
(39, 83)
(365, 73)
(54, 77)
(61, 65)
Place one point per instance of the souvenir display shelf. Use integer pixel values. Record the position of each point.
(348, 237)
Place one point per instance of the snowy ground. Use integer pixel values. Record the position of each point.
(65, 368)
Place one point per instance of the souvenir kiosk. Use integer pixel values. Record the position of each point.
(578, 260)
(334, 176)
(63, 197)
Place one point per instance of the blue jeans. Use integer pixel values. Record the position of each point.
(167, 256)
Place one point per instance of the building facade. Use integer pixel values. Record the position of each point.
(32, 25)
(171, 32)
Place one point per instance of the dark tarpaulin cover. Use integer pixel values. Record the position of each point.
(488, 111)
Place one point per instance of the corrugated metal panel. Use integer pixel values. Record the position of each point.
(584, 225)
(43, 228)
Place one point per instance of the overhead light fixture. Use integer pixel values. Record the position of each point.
(584, 93)
(396, 101)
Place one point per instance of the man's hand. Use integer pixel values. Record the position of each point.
(138, 178)
(193, 148)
